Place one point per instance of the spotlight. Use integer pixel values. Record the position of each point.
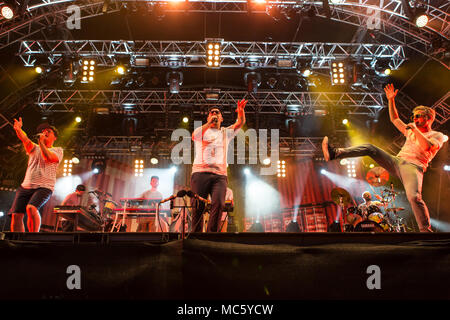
(306, 72)
(185, 119)
(253, 81)
(371, 166)
(343, 162)
(421, 19)
(387, 71)
(75, 160)
(7, 12)
(323, 171)
(98, 166)
(345, 121)
(447, 167)
(78, 119)
(173, 169)
(246, 171)
(38, 69)
(266, 161)
(120, 70)
(154, 161)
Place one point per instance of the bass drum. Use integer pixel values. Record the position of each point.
(368, 226)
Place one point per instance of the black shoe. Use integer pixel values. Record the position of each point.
(328, 152)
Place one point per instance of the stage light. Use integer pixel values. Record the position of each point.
(343, 162)
(2, 213)
(266, 161)
(38, 69)
(7, 12)
(75, 160)
(387, 71)
(138, 168)
(78, 119)
(271, 82)
(120, 70)
(246, 171)
(154, 161)
(306, 72)
(98, 166)
(338, 74)
(281, 169)
(213, 54)
(88, 67)
(323, 171)
(345, 121)
(371, 166)
(174, 81)
(67, 168)
(185, 119)
(253, 81)
(447, 167)
(421, 19)
(445, 138)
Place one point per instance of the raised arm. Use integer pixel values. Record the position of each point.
(27, 143)
(391, 92)
(240, 121)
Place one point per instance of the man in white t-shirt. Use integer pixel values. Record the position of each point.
(209, 171)
(40, 178)
(411, 162)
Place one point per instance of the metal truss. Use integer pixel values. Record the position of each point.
(161, 101)
(390, 22)
(193, 53)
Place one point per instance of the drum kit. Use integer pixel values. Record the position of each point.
(371, 218)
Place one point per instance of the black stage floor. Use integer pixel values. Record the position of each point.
(225, 266)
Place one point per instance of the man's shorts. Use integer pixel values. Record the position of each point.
(35, 197)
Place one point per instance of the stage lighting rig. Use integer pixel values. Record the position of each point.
(98, 165)
(11, 8)
(213, 53)
(88, 70)
(338, 73)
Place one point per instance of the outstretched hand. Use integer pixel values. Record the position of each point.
(17, 124)
(390, 91)
(241, 105)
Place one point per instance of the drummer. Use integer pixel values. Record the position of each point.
(368, 203)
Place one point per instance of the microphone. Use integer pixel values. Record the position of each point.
(179, 194)
(191, 194)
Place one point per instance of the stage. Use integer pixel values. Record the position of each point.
(225, 266)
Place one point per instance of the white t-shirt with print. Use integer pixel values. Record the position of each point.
(211, 149)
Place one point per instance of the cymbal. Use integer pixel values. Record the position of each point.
(377, 176)
(336, 195)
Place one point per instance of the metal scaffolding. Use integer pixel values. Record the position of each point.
(387, 17)
(193, 53)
